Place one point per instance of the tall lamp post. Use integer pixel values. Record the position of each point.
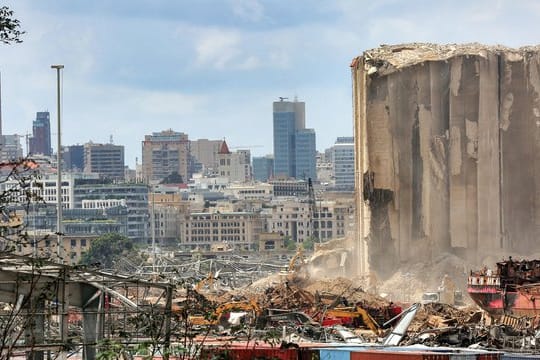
(58, 167)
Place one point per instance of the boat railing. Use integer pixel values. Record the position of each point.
(484, 280)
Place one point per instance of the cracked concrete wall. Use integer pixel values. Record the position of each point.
(453, 151)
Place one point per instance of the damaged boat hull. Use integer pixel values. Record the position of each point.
(498, 302)
(513, 289)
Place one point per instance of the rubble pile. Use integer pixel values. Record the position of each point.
(411, 281)
(437, 315)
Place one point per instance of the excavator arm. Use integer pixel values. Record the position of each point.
(350, 312)
(221, 310)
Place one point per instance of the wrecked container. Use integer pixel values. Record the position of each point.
(427, 355)
(251, 353)
(309, 354)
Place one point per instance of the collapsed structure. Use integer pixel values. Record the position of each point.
(448, 151)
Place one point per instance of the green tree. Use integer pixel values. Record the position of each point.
(290, 244)
(107, 248)
(308, 244)
(9, 27)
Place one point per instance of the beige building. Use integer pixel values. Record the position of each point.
(205, 151)
(253, 191)
(163, 154)
(107, 160)
(291, 218)
(45, 244)
(241, 230)
(236, 166)
(169, 211)
(331, 219)
(271, 242)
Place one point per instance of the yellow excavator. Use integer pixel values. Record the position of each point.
(298, 266)
(217, 316)
(354, 313)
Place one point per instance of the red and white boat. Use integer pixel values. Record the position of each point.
(513, 288)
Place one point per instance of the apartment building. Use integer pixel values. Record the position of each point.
(291, 218)
(240, 230)
(10, 148)
(289, 187)
(298, 220)
(107, 160)
(257, 191)
(44, 244)
(45, 187)
(205, 152)
(79, 221)
(136, 200)
(332, 219)
(168, 211)
(165, 153)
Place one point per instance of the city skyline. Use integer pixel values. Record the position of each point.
(212, 69)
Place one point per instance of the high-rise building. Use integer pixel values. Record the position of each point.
(306, 154)
(165, 153)
(263, 168)
(40, 142)
(343, 161)
(293, 142)
(10, 148)
(73, 157)
(107, 160)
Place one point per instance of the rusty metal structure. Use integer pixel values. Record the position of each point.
(54, 308)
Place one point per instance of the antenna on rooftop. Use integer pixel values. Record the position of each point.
(111, 139)
(283, 98)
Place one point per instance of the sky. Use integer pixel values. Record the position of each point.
(212, 68)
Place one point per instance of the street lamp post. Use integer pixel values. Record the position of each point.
(58, 167)
(63, 319)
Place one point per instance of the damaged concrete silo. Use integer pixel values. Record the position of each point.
(448, 143)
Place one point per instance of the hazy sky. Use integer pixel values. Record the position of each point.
(212, 68)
